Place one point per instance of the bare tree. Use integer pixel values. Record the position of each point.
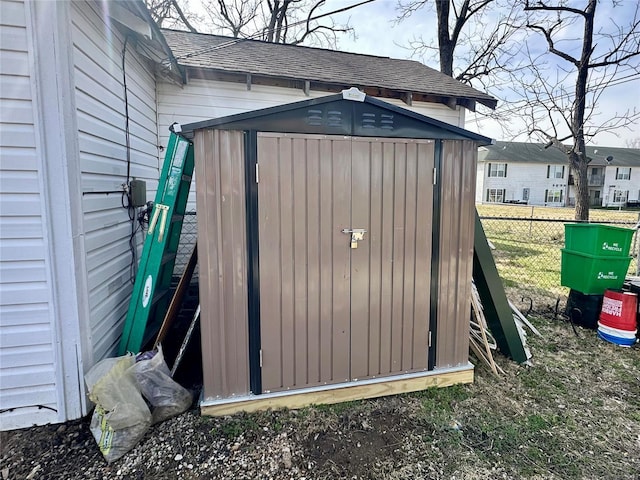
(633, 142)
(475, 38)
(564, 107)
(171, 14)
(478, 42)
(277, 21)
(233, 18)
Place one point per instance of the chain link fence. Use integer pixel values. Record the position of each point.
(527, 252)
(188, 239)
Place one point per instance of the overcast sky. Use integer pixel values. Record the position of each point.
(378, 33)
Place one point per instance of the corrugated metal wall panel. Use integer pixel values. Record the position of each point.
(219, 158)
(99, 98)
(456, 252)
(330, 313)
(27, 377)
(304, 192)
(392, 197)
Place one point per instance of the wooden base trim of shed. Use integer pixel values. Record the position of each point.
(379, 387)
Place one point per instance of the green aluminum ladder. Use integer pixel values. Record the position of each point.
(153, 281)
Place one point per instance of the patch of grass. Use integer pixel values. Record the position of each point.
(437, 406)
(240, 424)
(528, 211)
(528, 253)
(574, 414)
(526, 444)
(337, 408)
(443, 396)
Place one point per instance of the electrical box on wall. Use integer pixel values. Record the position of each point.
(138, 193)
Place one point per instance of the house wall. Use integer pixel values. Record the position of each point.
(98, 47)
(596, 177)
(205, 99)
(27, 322)
(64, 268)
(520, 176)
(611, 184)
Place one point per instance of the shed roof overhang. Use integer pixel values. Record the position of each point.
(341, 115)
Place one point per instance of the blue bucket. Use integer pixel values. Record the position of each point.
(625, 342)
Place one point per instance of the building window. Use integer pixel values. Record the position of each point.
(553, 196)
(495, 195)
(497, 169)
(525, 194)
(555, 171)
(620, 196)
(623, 173)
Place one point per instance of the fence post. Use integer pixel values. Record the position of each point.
(636, 246)
(531, 221)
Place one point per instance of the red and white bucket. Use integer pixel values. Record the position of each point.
(618, 317)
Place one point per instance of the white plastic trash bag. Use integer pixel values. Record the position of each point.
(167, 397)
(121, 416)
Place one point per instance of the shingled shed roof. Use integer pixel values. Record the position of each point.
(536, 153)
(392, 78)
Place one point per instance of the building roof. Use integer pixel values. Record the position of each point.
(521, 152)
(319, 66)
(349, 113)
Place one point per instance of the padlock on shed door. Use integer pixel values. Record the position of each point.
(357, 235)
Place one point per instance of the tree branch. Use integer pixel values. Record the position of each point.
(541, 6)
(183, 17)
(550, 43)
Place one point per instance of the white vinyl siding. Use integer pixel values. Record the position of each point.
(614, 187)
(27, 356)
(206, 99)
(99, 97)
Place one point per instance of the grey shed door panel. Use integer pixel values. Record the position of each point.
(330, 313)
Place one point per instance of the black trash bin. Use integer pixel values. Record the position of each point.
(584, 309)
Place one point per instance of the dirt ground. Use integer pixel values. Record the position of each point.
(573, 414)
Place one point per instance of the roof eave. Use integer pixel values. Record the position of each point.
(449, 100)
(144, 13)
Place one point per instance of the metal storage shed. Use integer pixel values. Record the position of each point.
(335, 244)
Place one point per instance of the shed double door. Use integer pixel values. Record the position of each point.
(330, 313)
